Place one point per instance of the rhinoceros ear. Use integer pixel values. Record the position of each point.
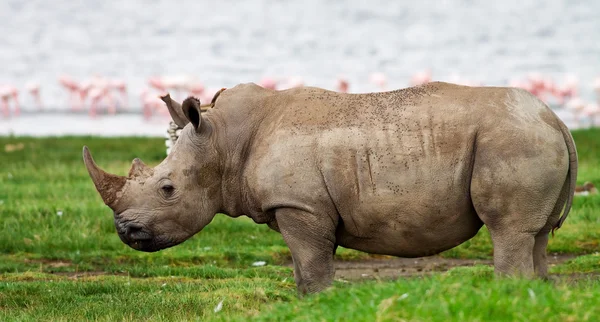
(175, 111)
(191, 108)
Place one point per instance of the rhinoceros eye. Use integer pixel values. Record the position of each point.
(167, 190)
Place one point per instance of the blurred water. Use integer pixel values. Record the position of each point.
(227, 42)
(58, 124)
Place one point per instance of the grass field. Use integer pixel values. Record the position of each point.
(61, 259)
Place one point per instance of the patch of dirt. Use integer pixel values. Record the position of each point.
(14, 147)
(378, 267)
(399, 267)
(54, 263)
(49, 262)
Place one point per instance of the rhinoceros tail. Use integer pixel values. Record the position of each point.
(571, 175)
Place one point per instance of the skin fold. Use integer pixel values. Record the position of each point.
(409, 173)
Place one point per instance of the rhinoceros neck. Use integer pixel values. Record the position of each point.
(236, 126)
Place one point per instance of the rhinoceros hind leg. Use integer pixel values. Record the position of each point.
(515, 189)
(513, 253)
(540, 262)
(517, 217)
(311, 240)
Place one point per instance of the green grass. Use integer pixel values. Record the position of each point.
(112, 298)
(462, 294)
(53, 222)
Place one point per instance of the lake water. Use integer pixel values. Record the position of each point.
(227, 42)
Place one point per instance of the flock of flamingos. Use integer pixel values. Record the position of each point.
(109, 95)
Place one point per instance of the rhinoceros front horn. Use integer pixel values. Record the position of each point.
(108, 185)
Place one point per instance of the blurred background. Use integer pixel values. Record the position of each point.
(97, 67)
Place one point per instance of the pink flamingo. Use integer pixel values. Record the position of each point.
(196, 89)
(596, 87)
(576, 105)
(7, 93)
(176, 84)
(517, 83)
(74, 91)
(34, 90)
(293, 82)
(420, 78)
(543, 87)
(526, 85)
(343, 85)
(120, 86)
(150, 104)
(378, 79)
(592, 111)
(565, 93)
(5, 97)
(208, 95)
(570, 87)
(157, 83)
(268, 82)
(100, 91)
(95, 94)
(536, 82)
(562, 94)
(547, 89)
(84, 90)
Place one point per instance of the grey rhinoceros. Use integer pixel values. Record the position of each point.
(408, 173)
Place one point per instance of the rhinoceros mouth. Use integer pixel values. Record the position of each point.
(132, 233)
(139, 237)
(137, 241)
(143, 245)
(150, 246)
(149, 243)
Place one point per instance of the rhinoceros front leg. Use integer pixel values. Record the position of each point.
(311, 239)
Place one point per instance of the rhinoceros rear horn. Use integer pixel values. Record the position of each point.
(139, 168)
(108, 185)
(175, 111)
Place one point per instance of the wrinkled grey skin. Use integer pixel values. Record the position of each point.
(408, 173)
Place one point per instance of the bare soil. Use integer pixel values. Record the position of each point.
(380, 267)
(391, 268)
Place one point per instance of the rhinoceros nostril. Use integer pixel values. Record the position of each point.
(133, 228)
(136, 232)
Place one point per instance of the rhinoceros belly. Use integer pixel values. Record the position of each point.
(404, 194)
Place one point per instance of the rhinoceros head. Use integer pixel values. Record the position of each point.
(156, 208)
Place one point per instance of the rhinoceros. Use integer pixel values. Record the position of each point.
(407, 173)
